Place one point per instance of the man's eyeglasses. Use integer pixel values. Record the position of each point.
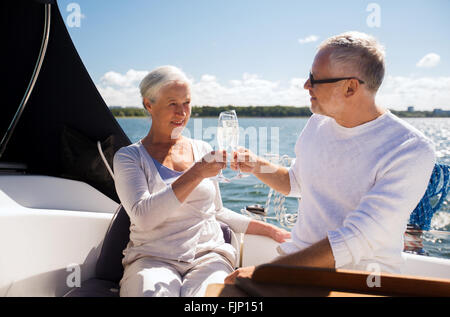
(329, 80)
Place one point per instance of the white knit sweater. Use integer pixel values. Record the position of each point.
(161, 226)
(358, 187)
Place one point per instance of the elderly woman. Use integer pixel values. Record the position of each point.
(164, 182)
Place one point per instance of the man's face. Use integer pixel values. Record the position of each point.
(325, 98)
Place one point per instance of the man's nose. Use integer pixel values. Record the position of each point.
(307, 85)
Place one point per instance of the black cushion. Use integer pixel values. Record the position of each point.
(95, 288)
(109, 265)
(226, 232)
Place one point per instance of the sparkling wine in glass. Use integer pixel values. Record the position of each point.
(225, 136)
(234, 142)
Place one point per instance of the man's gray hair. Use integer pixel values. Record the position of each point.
(158, 78)
(361, 54)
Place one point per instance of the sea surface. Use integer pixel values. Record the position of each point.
(268, 136)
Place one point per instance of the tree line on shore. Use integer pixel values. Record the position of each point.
(258, 111)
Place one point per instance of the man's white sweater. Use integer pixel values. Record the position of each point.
(358, 187)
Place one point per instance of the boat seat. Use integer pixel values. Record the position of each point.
(109, 269)
(46, 228)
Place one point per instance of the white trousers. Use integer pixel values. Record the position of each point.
(151, 276)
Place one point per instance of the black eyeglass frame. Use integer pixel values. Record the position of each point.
(330, 80)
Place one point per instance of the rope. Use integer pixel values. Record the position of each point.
(285, 219)
(99, 147)
(423, 213)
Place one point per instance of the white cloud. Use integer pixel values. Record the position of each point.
(128, 80)
(121, 89)
(429, 60)
(397, 92)
(208, 78)
(126, 97)
(425, 93)
(248, 90)
(308, 39)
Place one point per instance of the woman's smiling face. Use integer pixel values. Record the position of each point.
(171, 109)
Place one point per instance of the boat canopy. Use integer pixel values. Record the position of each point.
(52, 114)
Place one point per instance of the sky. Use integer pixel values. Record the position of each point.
(258, 52)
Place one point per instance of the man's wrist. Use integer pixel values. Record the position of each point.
(263, 167)
(256, 168)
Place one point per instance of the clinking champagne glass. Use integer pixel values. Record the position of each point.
(234, 135)
(225, 130)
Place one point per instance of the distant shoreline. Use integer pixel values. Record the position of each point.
(264, 112)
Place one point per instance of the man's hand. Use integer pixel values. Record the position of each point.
(245, 160)
(275, 176)
(241, 272)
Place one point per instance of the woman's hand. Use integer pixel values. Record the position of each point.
(208, 166)
(266, 229)
(245, 160)
(211, 164)
(280, 235)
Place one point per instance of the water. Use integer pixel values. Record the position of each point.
(278, 135)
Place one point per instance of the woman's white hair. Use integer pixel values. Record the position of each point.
(158, 78)
(361, 54)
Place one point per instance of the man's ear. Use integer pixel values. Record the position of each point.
(351, 87)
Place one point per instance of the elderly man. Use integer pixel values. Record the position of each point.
(359, 169)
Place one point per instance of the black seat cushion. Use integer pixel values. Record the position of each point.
(226, 230)
(95, 288)
(109, 265)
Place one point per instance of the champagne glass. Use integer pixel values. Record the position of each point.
(234, 135)
(225, 131)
